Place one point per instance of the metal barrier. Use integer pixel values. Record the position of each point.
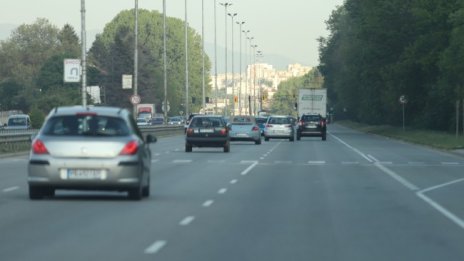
(20, 140)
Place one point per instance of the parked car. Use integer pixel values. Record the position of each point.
(244, 128)
(312, 125)
(157, 120)
(18, 121)
(176, 120)
(90, 148)
(261, 121)
(207, 131)
(141, 121)
(279, 127)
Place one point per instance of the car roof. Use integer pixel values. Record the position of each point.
(101, 110)
(18, 116)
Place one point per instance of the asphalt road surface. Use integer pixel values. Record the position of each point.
(352, 197)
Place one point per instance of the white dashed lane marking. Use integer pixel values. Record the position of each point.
(222, 191)
(155, 247)
(10, 189)
(187, 220)
(208, 203)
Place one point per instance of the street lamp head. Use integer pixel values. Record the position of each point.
(240, 23)
(225, 4)
(232, 15)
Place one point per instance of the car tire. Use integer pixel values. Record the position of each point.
(135, 193)
(292, 139)
(258, 142)
(146, 189)
(266, 139)
(324, 137)
(188, 148)
(298, 137)
(227, 147)
(35, 192)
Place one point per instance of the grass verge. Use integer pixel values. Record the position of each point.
(436, 139)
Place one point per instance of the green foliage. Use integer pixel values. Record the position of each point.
(379, 50)
(112, 55)
(37, 117)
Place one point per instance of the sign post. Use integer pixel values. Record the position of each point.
(403, 100)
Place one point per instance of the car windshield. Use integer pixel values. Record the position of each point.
(261, 120)
(279, 121)
(203, 122)
(85, 125)
(310, 118)
(242, 121)
(17, 121)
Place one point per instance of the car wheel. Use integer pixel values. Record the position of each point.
(135, 193)
(291, 139)
(146, 189)
(324, 137)
(227, 147)
(266, 139)
(257, 142)
(298, 137)
(35, 192)
(188, 148)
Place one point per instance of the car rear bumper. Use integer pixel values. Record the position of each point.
(207, 142)
(114, 174)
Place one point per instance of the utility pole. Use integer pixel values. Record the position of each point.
(233, 69)
(225, 19)
(84, 55)
(240, 87)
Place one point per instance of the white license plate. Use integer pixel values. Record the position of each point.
(242, 135)
(206, 130)
(83, 174)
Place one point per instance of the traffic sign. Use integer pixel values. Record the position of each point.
(135, 99)
(72, 70)
(403, 99)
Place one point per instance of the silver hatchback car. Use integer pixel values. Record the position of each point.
(279, 127)
(90, 148)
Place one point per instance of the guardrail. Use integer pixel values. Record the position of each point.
(20, 140)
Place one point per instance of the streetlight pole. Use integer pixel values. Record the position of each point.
(215, 61)
(254, 78)
(165, 109)
(240, 87)
(136, 55)
(84, 56)
(186, 64)
(259, 54)
(225, 19)
(232, 56)
(249, 74)
(203, 97)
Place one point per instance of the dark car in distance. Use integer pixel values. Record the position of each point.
(207, 131)
(312, 125)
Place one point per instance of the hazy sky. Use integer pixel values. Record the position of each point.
(288, 28)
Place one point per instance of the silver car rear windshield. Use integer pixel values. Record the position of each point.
(86, 125)
(279, 121)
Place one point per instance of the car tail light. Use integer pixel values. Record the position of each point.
(301, 123)
(130, 148)
(255, 128)
(322, 123)
(223, 131)
(38, 147)
(268, 125)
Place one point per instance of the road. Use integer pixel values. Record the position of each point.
(354, 197)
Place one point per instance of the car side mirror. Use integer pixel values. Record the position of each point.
(151, 139)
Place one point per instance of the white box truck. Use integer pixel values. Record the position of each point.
(312, 101)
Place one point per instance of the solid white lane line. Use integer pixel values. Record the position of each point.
(181, 161)
(10, 189)
(442, 210)
(283, 162)
(187, 220)
(397, 177)
(249, 168)
(352, 148)
(233, 181)
(155, 247)
(261, 158)
(222, 191)
(441, 185)
(386, 162)
(372, 157)
(208, 203)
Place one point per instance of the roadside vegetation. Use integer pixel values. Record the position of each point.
(435, 139)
